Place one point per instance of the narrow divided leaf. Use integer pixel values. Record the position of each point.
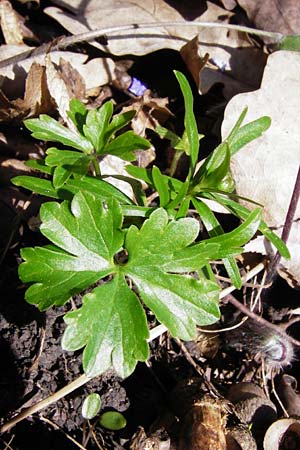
(118, 122)
(125, 144)
(96, 124)
(189, 120)
(49, 129)
(214, 228)
(77, 114)
(161, 186)
(37, 185)
(248, 133)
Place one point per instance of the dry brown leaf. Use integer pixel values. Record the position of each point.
(13, 25)
(229, 4)
(86, 17)
(59, 91)
(150, 112)
(192, 58)
(36, 99)
(73, 80)
(266, 169)
(273, 15)
(232, 60)
(10, 24)
(96, 72)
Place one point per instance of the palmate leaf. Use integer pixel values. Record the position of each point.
(111, 323)
(86, 237)
(113, 327)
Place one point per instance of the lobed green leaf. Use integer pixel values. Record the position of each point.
(77, 113)
(48, 129)
(86, 235)
(96, 124)
(112, 326)
(124, 145)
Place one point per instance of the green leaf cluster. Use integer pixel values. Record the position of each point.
(87, 238)
(122, 255)
(95, 135)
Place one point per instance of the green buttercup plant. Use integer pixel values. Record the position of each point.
(123, 252)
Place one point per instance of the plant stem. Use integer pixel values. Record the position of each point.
(286, 228)
(174, 163)
(64, 42)
(96, 167)
(80, 381)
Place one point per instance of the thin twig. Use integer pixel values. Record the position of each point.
(198, 369)
(56, 427)
(80, 381)
(64, 42)
(287, 227)
(7, 444)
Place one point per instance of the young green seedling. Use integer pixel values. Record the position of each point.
(124, 253)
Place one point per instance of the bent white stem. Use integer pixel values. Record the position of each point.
(83, 379)
(80, 381)
(64, 42)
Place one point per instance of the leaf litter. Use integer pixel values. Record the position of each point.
(223, 68)
(266, 171)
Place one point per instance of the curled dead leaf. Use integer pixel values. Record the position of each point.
(60, 88)
(150, 112)
(10, 23)
(36, 99)
(240, 438)
(284, 434)
(252, 406)
(283, 16)
(217, 55)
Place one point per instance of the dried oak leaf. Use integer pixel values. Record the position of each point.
(150, 112)
(12, 25)
(64, 83)
(217, 55)
(266, 169)
(273, 15)
(36, 99)
(95, 72)
(85, 17)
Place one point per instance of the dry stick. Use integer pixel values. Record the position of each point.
(56, 427)
(64, 42)
(287, 227)
(83, 379)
